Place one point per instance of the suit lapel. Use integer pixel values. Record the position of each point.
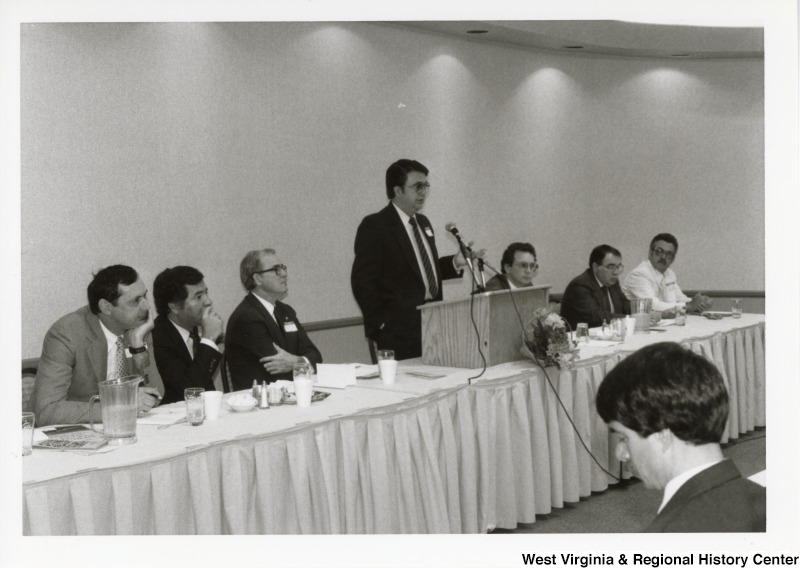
(274, 330)
(401, 234)
(175, 336)
(290, 337)
(98, 347)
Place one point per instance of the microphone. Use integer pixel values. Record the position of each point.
(451, 227)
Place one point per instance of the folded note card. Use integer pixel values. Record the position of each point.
(335, 376)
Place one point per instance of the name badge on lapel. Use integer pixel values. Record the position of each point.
(290, 327)
(429, 232)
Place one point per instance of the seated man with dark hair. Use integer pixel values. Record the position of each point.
(518, 267)
(594, 296)
(185, 333)
(98, 342)
(653, 278)
(670, 407)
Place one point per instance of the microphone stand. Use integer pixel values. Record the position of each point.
(466, 252)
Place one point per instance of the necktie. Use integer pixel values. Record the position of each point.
(426, 261)
(122, 361)
(194, 338)
(278, 314)
(607, 299)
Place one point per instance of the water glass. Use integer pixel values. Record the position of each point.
(680, 315)
(301, 370)
(28, 424)
(385, 355)
(582, 332)
(736, 307)
(195, 406)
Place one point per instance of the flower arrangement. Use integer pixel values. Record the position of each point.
(546, 338)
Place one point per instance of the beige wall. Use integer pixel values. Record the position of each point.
(164, 144)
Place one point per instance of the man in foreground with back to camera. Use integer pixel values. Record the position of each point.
(594, 296)
(185, 333)
(98, 342)
(518, 267)
(264, 338)
(670, 407)
(653, 278)
(397, 266)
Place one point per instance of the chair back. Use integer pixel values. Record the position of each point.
(28, 382)
(223, 366)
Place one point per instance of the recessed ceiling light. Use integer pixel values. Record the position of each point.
(572, 46)
(680, 55)
(477, 31)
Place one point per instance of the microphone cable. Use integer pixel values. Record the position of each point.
(558, 398)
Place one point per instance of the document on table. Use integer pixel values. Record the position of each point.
(163, 415)
(335, 376)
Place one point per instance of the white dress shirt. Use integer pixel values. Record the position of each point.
(186, 335)
(111, 359)
(644, 281)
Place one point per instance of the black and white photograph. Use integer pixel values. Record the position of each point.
(345, 284)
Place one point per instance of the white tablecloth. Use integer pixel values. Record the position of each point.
(420, 456)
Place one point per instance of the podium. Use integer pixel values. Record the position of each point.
(449, 338)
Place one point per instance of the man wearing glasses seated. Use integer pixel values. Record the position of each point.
(595, 296)
(518, 267)
(264, 338)
(654, 279)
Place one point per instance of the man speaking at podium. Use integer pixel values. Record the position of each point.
(397, 266)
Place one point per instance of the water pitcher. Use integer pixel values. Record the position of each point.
(119, 404)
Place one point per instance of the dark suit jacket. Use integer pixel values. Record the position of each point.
(717, 499)
(583, 301)
(177, 368)
(252, 334)
(386, 279)
(74, 359)
(496, 283)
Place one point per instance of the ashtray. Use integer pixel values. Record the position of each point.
(291, 398)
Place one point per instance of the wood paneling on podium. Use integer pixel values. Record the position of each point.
(448, 336)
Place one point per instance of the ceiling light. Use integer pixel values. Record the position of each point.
(477, 31)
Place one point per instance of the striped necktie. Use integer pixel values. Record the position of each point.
(426, 261)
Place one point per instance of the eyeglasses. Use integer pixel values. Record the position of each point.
(527, 265)
(278, 268)
(668, 254)
(420, 187)
(615, 267)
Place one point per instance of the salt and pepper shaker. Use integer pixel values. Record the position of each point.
(263, 401)
(256, 390)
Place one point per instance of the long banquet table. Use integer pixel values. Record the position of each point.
(420, 456)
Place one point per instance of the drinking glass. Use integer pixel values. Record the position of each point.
(385, 355)
(301, 370)
(28, 424)
(582, 332)
(736, 307)
(195, 407)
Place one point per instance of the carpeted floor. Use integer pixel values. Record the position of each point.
(628, 507)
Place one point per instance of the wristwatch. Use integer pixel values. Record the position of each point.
(137, 350)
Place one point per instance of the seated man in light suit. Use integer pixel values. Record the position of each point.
(670, 407)
(185, 333)
(264, 338)
(518, 267)
(653, 278)
(98, 342)
(594, 295)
